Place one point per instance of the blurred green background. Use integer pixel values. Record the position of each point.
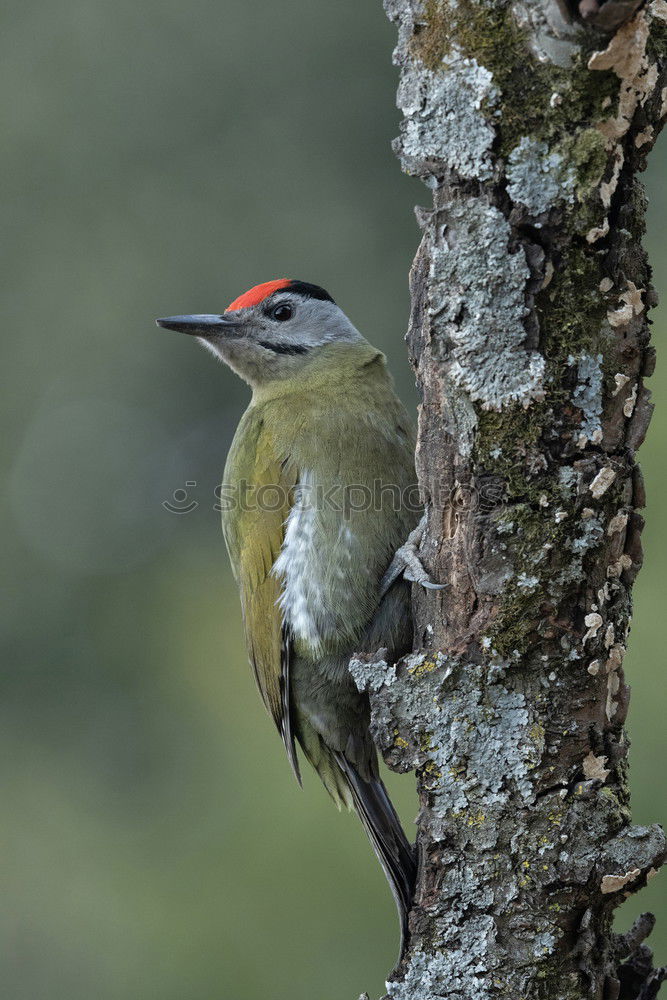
(161, 158)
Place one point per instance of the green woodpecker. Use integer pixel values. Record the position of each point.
(318, 499)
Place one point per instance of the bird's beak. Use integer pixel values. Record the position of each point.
(202, 324)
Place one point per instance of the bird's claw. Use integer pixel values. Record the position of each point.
(425, 582)
(406, 562)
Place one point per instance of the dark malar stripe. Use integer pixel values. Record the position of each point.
(283, 348)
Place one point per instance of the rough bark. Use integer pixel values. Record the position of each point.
(529, 338)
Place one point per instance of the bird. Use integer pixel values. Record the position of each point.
(319, 501)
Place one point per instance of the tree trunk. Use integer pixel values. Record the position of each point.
(530, 291)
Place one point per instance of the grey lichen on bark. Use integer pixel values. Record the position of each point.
(529, 339)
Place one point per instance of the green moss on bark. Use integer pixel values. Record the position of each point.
(491, 36)
(432, 39)
(586, 154)
(570, 310)
(504, 440)
(537, 543)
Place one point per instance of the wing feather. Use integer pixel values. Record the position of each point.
(254, 529)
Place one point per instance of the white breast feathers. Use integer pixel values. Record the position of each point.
(313, 566)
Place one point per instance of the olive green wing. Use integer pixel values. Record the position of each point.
(254, 530)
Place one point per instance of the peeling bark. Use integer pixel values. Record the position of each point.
(529, 338)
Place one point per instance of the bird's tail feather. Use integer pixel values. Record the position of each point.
(385, 833)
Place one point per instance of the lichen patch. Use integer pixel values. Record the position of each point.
(602, 481)
(630, 402)
(538, 178)
(445, 117)
(594, 767)
(626, 52)
(478, 306)
(371, 674)
(613, 883)
(620, 381)
(588, 397)
(593, 623)
(617, 523)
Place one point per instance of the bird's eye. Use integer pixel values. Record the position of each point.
(282, 312)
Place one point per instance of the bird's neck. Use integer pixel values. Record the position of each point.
(333, 369)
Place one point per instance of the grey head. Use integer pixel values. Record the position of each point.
(272, 331)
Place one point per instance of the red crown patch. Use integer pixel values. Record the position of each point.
(257, 294)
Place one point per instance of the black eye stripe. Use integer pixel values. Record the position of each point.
(283, 348)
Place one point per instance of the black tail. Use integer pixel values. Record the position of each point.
(385, 833)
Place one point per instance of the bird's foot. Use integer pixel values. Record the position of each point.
(406, 562)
